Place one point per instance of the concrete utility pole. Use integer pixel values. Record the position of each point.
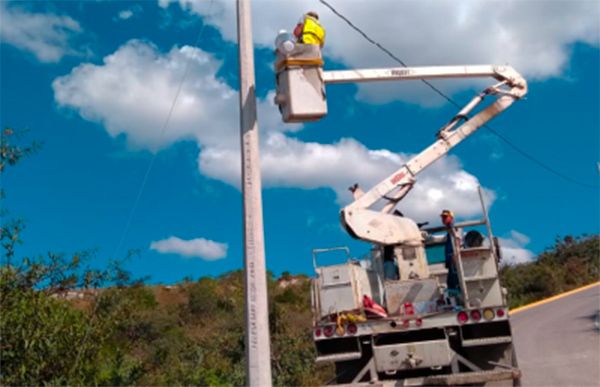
(258, 347)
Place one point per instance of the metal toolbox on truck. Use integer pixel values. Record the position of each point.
(423, 294)
(424, 354)
(341, 288)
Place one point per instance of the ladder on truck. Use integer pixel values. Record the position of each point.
(477, 266)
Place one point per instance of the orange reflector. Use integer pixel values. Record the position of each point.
(488, 314)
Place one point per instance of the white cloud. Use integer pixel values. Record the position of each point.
(521, 239)
(44, 35)
(133, 90)
(131, 94)
(128, 13)
(533, 36)
(513, 249)
(125, 14)
(287, 162)
(194, 248)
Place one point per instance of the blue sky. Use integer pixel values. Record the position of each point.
(94, 82)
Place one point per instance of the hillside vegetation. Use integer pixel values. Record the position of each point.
(192, 333)
(64, 323)
(188, 334)
(570, 263)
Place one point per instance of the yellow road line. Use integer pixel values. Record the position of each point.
(558, 296)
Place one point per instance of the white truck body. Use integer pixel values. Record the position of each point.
(423, 340)
(420, 334)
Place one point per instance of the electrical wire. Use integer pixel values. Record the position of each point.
(160, 137)
(451, 101)
(141, 189)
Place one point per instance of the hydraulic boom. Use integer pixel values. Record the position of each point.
(301, 97)
(381, 226)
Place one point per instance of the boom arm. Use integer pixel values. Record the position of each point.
(381, 227)
(301, 97)
(501, 73)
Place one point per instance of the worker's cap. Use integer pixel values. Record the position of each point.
(447, 213)
(313, 14)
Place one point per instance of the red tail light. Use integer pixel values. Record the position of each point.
(462, 317)
(409, 309)
(352, 329)
(318, 332)
(328, 331)
(500, 313)
(419, 322)
(475, 315)
(405, 323)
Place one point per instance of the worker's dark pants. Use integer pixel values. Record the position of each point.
(452, 278)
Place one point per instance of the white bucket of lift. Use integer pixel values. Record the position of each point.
(299, 78)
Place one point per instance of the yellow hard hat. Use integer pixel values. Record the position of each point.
(447, 213)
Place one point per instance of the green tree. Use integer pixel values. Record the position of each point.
(203, 298)
(38, 335)
(571, 262)
(11, 152)
(44, 338)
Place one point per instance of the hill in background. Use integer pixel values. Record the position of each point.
(192, 333)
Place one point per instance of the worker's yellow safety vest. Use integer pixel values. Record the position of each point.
(313, 33)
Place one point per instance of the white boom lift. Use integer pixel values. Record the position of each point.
(301, 97)
(422, 333)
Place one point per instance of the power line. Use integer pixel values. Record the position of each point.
(160, 136)
(388, 52)
(538, 162)
(450, 100)
(140, 191)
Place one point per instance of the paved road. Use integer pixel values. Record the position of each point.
(558, 343)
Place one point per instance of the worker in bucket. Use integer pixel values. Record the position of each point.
(449, 249)
(309, 30)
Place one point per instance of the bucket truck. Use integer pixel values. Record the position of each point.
(407, 329)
